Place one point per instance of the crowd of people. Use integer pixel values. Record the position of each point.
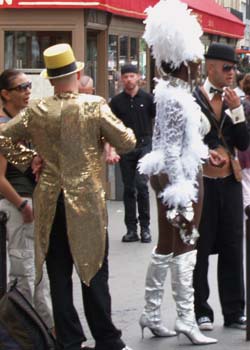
(187, 142)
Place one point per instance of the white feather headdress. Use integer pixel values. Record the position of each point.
(173, 33)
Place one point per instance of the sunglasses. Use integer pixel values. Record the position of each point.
(21, 87)
(228, 67)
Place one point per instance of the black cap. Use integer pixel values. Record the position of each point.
(129, 68)
(218, 51)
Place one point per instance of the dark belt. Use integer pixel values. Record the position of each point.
(219, 179)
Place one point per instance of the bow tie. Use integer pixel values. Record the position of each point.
(215, 91)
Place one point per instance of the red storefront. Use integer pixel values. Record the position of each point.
(104, 33)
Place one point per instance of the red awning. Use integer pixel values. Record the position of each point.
(213, 17)
(128, 8)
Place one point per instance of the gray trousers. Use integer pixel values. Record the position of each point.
(20, 237)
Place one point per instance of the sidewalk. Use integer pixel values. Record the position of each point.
(128, 265)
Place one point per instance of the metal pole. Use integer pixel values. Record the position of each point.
(247, 210)
(3, 261)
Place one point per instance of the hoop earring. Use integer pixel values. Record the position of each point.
(190, 82)
(162, 73)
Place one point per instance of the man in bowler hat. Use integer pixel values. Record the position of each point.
(69, 201)
(221, 226)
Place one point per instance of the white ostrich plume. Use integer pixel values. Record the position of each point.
(173, 33)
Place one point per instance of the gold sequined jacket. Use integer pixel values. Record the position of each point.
(67, 131)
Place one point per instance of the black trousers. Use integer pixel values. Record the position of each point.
(96, 297)
(135, 189)
(221, 231)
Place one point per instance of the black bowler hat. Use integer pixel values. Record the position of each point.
(218, 51)
(129, 68)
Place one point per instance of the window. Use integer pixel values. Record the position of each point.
(134, 51)
(143, 63)
(113, 75)
(121, 50)
(25, 49)
(123, 57)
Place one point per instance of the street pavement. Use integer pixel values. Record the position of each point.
(128, 264)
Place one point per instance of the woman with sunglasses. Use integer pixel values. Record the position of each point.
(221, 226)
(16, 191)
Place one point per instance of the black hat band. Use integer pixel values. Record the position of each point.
(55, 72)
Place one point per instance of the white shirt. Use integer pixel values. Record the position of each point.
(237, 114)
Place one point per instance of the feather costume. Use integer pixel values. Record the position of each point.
(173, 35)
(178, 148)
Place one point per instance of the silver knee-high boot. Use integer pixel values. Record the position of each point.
(154, 290)
(182, 267)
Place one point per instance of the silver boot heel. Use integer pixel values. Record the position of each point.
(158, 330)
(193, 333)
(182, 267)
(154, 290)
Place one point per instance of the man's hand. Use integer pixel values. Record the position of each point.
(231, 98)
(36, 165)
(111, 157)
(27, 214)
(216, 159)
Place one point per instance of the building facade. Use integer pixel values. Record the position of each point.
(104, 34)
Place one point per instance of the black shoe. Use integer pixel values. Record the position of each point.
(238, 323)
(130, 236)
(145, 235)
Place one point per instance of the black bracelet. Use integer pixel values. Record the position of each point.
(23, 204)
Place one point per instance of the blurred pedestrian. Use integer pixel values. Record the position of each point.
(239, 88)
(244, 157)
(86, 85)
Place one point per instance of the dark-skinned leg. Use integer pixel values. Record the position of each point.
(157, 272)
(182, 267)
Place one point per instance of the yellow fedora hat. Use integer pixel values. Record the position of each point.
(60, 61)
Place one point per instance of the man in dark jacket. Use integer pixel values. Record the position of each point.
(221, 227)
(136, 109)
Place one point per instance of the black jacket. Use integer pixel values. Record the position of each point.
(236, 135)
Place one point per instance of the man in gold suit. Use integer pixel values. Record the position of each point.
(67, 131)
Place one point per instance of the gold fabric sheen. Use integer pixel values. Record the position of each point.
(66, 130)
(17, 154)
